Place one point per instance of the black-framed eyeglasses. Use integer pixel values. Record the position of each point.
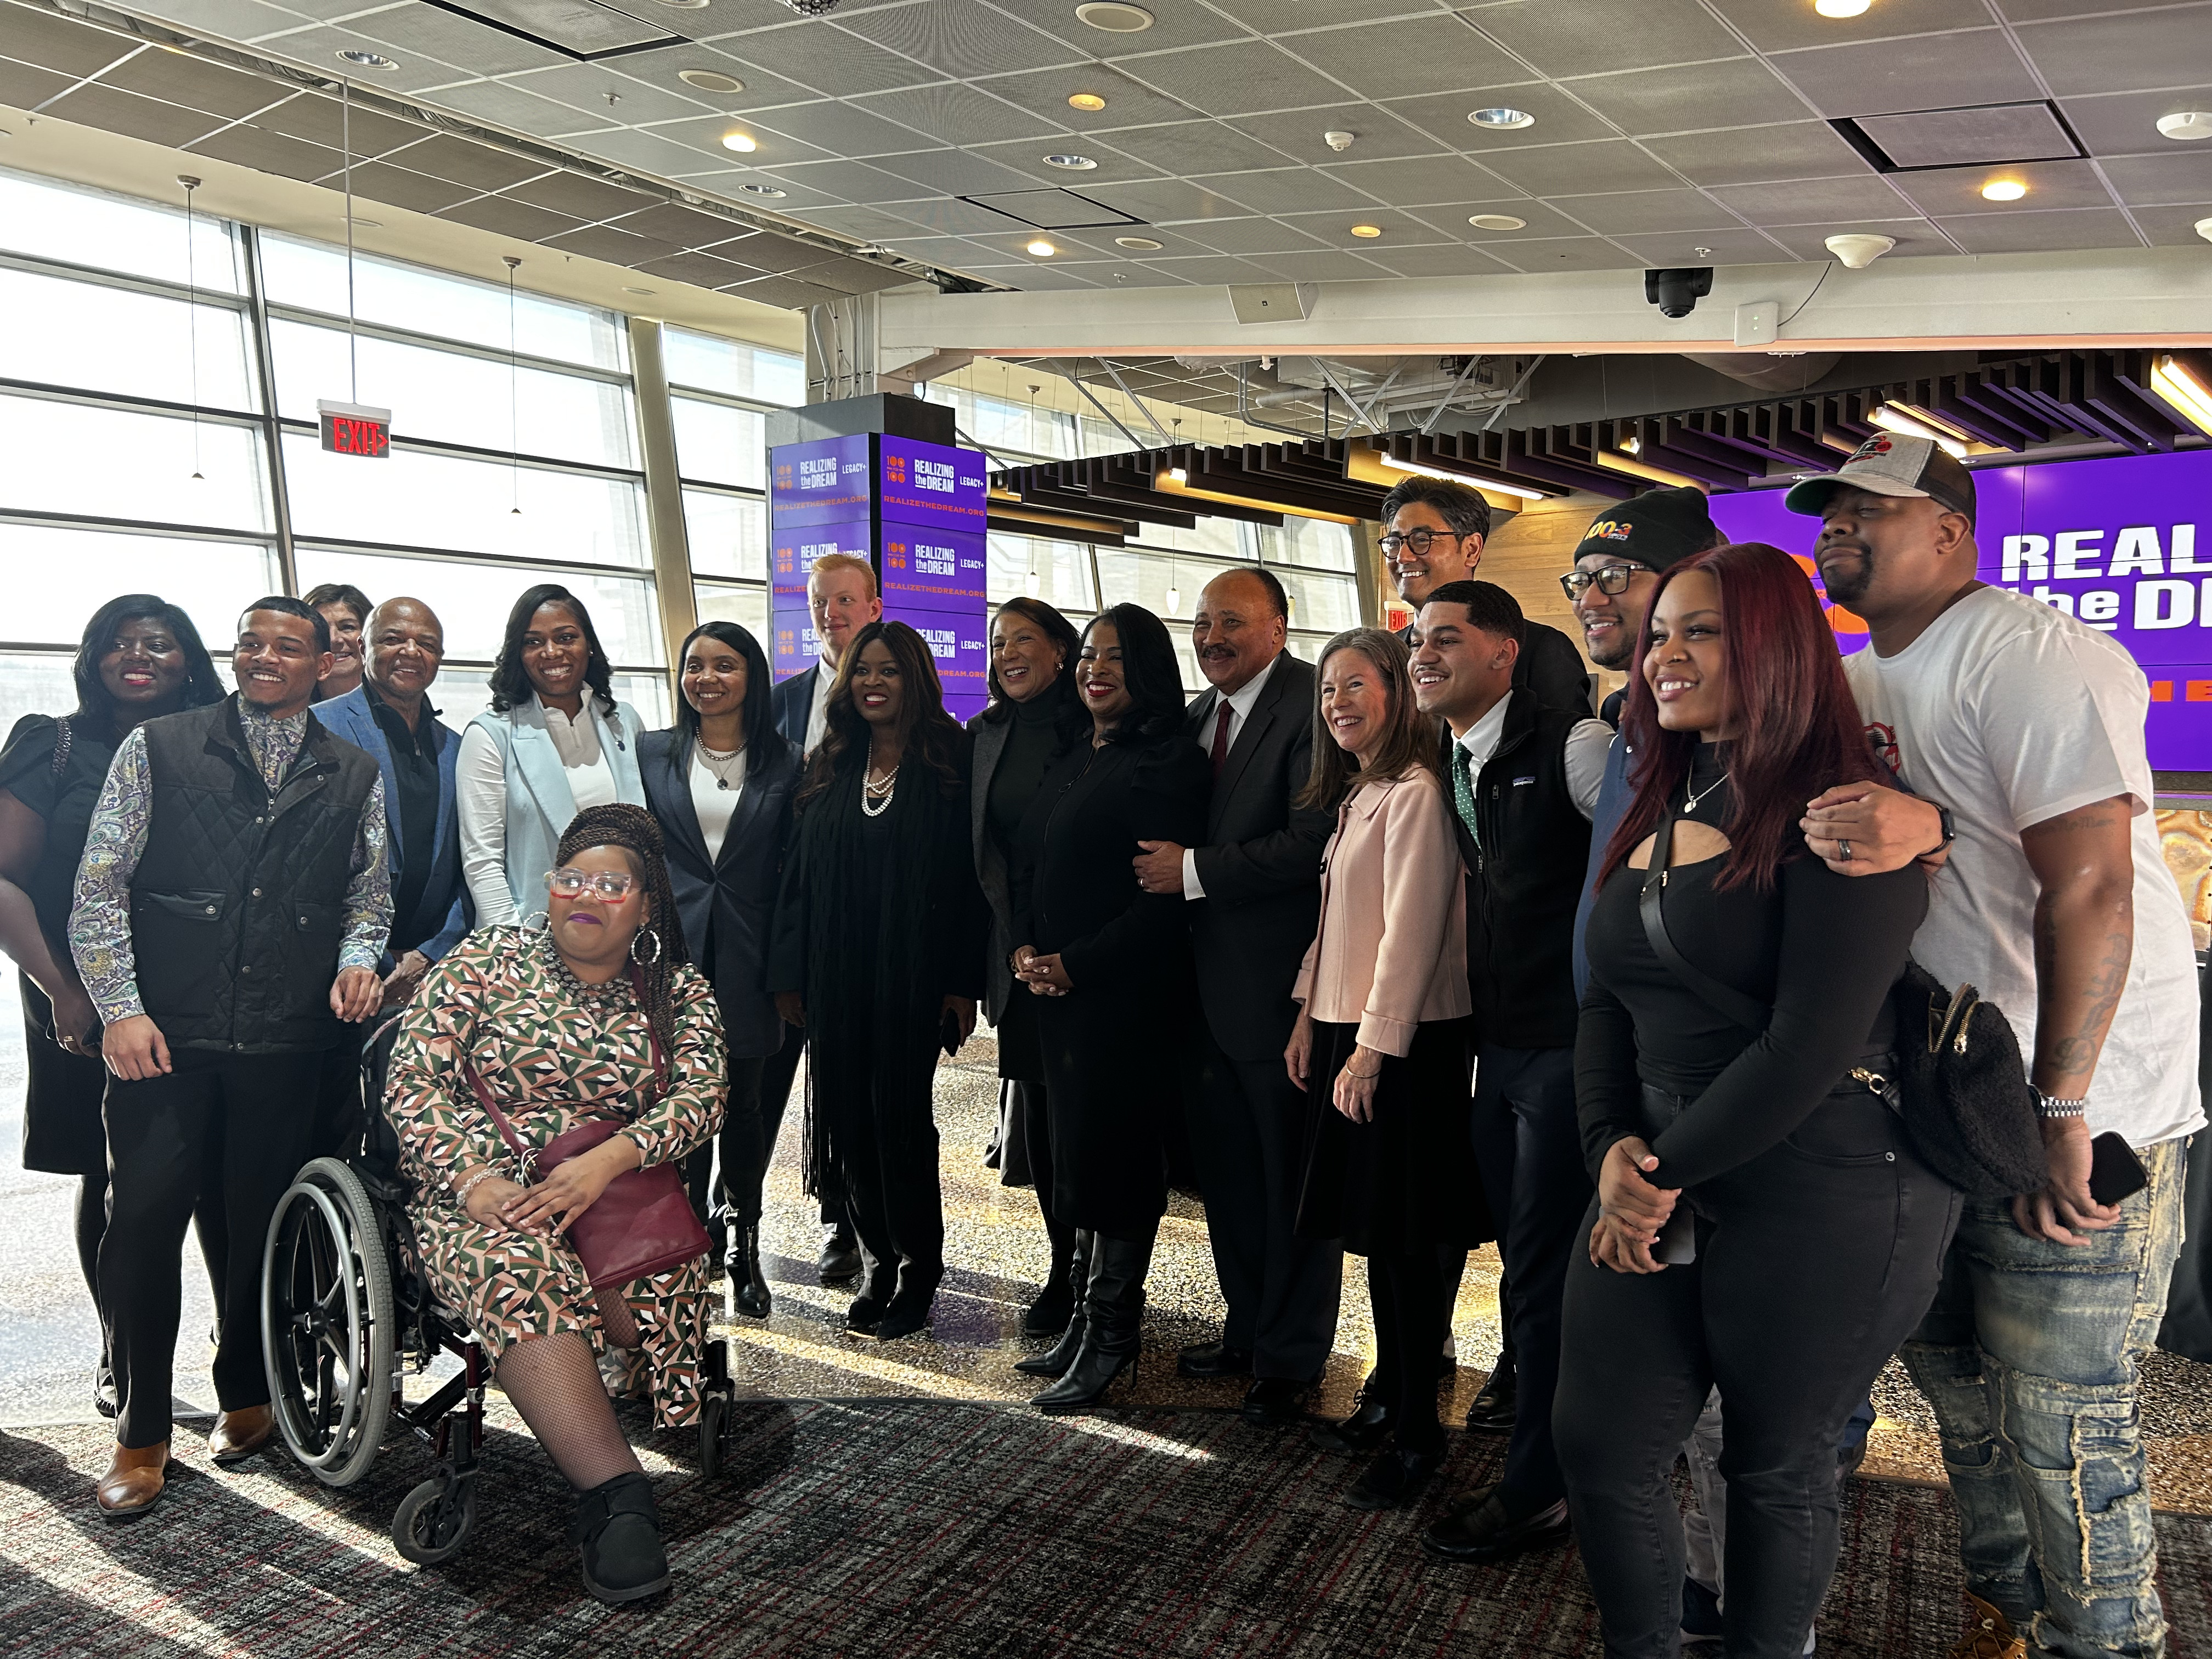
(1610, 579)
(1418, 540)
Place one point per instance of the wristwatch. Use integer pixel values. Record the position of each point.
(2051, 1106)
(1950, 829)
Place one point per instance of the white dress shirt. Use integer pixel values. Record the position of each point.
(1587, 743)
(714, 806)
(1240, 703)
(818, 717)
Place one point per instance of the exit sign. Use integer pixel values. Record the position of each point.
(355, 429)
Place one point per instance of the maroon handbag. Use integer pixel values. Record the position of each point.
(643, 1223)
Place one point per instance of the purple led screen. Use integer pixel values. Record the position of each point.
(824, 482)
(794, 648)
(940, 570)
(959, 645)
(930, 486)
(2124, 544)
(792, 553)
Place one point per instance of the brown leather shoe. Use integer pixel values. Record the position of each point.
(240, 1434)
(1992, 1637)
(134, 1481)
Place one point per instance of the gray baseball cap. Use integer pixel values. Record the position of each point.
(1891, 464)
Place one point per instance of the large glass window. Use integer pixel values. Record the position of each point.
(718, 443)
(1059, 573)
(106, 338)
(92, 460)
(472, 598)
(50, 220)
(727, 533)
(57, 577)
(758, 373)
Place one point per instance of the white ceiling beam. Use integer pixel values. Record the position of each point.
(2124, 297)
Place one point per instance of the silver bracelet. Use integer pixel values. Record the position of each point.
(2051, 1106)
(461, 1193)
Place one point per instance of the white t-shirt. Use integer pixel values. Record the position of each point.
(714, 804)
(2010, 714)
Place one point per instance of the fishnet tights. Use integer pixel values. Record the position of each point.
(554, 1381)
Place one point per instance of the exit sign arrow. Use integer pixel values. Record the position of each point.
(355, 429)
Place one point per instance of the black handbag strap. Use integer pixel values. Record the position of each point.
(1748, 1011)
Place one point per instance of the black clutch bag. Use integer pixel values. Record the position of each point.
(1963, 1091)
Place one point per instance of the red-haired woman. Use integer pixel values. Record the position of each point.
(1761, 1221)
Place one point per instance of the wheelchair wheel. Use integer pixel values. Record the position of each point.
(434, 1520)
(714, 1424)
(327, 1322)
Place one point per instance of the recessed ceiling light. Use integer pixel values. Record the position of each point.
(637, 290)
(375, 60)
(740, 141)
(1497, 222)
(1501, 119)
(1369, 231)
(1842, 8)
(710, 80)
(1085, 100)
(768, 190)
(2185, 125)
(1114, 16)
(2003, 190)
(1072, 163)
(1043, 249)
(1139, 244)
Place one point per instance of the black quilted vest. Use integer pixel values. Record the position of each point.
(238, 903)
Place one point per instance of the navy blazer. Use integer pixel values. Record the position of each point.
(444, 908)
(728, 904)
(793, 701)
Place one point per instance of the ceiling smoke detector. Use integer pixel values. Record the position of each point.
(2186, 124)
(2203, 228)
(710, 80)
(1857, 251)
(1112, 15)
(1339, 141)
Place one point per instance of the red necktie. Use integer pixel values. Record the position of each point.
(1221, 738)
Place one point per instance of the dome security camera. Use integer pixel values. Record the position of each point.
(1676, 291)
(1858, 251)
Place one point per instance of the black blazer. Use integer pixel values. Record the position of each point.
(728, 904)
(794, 700)
(1260, 865)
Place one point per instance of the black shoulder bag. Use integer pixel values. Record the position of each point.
(1960, 1089)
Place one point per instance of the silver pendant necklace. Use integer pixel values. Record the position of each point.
(1691, 798)
(717, 760)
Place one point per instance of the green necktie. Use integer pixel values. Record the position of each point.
(1463, 789)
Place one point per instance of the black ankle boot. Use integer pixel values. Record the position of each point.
(1112, 1335)
(1056, 1360)
(745, 1273)
(908, 1311)
(618, 1532)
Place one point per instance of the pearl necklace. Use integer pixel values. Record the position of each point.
(876, 792)
(716, 759)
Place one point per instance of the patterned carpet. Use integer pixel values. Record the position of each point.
(885, 1528)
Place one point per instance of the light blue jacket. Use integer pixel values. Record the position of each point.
(445, 895)
(537, 804)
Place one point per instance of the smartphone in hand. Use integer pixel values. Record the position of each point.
(2115, 1171)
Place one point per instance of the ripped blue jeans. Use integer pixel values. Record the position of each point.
(2029, 1358)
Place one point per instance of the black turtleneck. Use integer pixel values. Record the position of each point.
(1030, 741)
(1821, 949)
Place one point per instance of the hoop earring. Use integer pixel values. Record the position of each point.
(645, 933)
(543, 919)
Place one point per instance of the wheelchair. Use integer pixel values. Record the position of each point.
(347, 1315)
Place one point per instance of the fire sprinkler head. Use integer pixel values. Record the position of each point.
(1857, 252)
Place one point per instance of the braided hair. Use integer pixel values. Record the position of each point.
(633, 830)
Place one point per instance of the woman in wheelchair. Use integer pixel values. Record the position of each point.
(601, 1016)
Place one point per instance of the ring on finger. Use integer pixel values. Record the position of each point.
(1843, 851)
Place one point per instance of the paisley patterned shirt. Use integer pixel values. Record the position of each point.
(99, 919)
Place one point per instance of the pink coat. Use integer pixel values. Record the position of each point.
(1391, 953)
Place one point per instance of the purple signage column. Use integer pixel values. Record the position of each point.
(931, 561)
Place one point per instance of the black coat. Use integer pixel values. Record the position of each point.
(794, 700)
(728, 903)
(1260, 865)
(1111, 1044)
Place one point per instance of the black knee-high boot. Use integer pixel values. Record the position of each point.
(1112, 1335)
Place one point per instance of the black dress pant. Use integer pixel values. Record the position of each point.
(1248, 1123)
(778, 1072)
(887, 1161)
(742, 1145)
(339, 1114)
(1529, 1146)
(232, 1128)
(1816, 1260)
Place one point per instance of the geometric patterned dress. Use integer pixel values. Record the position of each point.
(550, 1060)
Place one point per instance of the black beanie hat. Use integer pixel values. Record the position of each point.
(1656, 528)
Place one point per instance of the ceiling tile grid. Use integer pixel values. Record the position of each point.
(1658, 125)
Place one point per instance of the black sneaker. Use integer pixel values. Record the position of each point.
(618, 1533)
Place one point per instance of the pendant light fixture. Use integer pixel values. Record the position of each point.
(192, 312)
(513, 400)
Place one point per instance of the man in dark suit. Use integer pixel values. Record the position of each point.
(1522, 779)
(1255, 893)
(1434, 532)
(842, 598)
(389, 715)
